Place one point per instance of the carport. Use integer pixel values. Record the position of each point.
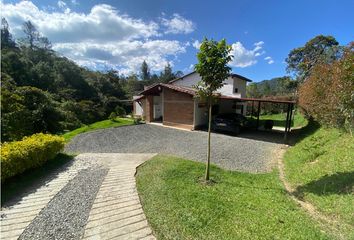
(256, 103)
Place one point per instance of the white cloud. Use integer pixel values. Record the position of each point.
(269, 60)
(61, 4)
(243, 57)
(177, 24)
(196, 44)
(101, 37)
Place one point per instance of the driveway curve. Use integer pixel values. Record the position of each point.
(229, 152)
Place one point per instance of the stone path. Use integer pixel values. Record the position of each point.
(116, 212)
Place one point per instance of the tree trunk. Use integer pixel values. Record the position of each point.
(208, 156)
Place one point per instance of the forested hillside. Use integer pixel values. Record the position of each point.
(280, 86)
(45, 92)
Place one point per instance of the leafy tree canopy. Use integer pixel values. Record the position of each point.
(319, 49)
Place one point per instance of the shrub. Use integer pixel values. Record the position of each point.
(30, 152)
(327, 94)
(120, 111)
(112, 116)
(137, 120)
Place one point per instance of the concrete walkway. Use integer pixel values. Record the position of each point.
(116, 212)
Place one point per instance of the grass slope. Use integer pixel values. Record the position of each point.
(238, 206)
(321, 169)
(98, 125)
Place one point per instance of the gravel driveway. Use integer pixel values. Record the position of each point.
(229, 152)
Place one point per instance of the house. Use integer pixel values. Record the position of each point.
(175, 104)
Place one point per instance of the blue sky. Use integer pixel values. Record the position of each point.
(121, 34)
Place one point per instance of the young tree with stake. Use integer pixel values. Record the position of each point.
(213, 58)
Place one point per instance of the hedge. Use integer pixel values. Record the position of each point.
(30, 152)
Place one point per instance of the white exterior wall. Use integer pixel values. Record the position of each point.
(139, 111)
(188, 81)
(241, 85)
(228, 89)
(200, 115)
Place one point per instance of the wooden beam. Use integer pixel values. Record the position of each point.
(259, 110)
(291, 116)
(252, 109)
(287, 123)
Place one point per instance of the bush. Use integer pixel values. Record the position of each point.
(112, 116)
(120, 111)
(137, 120)
(30, 152)
(327, 94)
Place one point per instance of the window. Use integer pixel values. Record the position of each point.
(236, 90)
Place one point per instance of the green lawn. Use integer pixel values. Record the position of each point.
(280, 119)
(237, 206)
(321, 168)
(98, 125)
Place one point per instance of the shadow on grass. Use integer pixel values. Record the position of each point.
(299, 134)
(15, 188)
(340, 183)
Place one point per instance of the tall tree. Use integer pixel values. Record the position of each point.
(213, 58)
(31, 34)
(167, 74)
(33, 38)
(6, 37)
(145, 73)
(319, 49)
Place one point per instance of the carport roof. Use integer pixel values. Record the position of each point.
(256, 99)
(154, 89)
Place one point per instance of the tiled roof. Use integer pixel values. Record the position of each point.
(231, 74)
(183, 89)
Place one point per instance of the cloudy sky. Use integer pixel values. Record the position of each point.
(121, 34)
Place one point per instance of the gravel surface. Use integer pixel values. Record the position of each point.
(66, 214)
(229, 152)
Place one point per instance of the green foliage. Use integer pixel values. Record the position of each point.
(112, 116)
(65, 95)
(327, 94)
(279, 119)
(237, 206)
(30, 152)
(321, 169)
(26, 110)
(120, 111)
(6, 37)
(320, 49)
(137, 120)
(145, 73)
(279, 86)
(213, 58)
(33, 38)
(167, 74)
